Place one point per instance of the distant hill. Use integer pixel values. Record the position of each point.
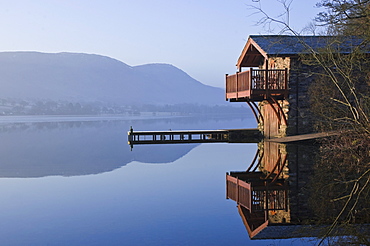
(89, 78)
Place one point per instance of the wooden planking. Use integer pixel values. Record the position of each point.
(303, 137)
(271, 157)
(271, 121)
(239, 191)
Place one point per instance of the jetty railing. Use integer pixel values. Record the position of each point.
(173, 137)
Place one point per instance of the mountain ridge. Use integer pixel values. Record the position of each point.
(90, 77)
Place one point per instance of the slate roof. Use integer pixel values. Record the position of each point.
(290, 45)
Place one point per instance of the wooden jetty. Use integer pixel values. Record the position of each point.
(252, 135)
(194, 136)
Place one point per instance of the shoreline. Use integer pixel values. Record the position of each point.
(10, 119)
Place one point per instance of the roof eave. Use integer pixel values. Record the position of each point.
(250, 43)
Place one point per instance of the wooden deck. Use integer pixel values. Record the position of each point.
(303, 137)
(252, 191)
(257, 85)
(213, 136)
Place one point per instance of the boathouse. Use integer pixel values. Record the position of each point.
(274, 81)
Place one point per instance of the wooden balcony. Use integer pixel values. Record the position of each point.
(251, 191)
(257, 85)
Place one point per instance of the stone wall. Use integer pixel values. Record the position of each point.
(300, 118)
(300, 161)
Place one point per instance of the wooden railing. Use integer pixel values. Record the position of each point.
(257, 84)
(239, 191)
(256, 194)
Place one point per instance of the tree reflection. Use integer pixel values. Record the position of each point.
(339, 188)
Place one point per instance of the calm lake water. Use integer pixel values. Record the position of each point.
(74, 181)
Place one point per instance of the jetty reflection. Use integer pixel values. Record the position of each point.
(275, 198)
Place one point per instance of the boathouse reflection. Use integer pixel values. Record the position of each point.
(261, 191)
(273, 195)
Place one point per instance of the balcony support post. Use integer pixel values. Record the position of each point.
(237, 85)
(286, 82)
(250, 78)
(226, 86)
(266, 78)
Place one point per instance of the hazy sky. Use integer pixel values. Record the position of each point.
(202, 37)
